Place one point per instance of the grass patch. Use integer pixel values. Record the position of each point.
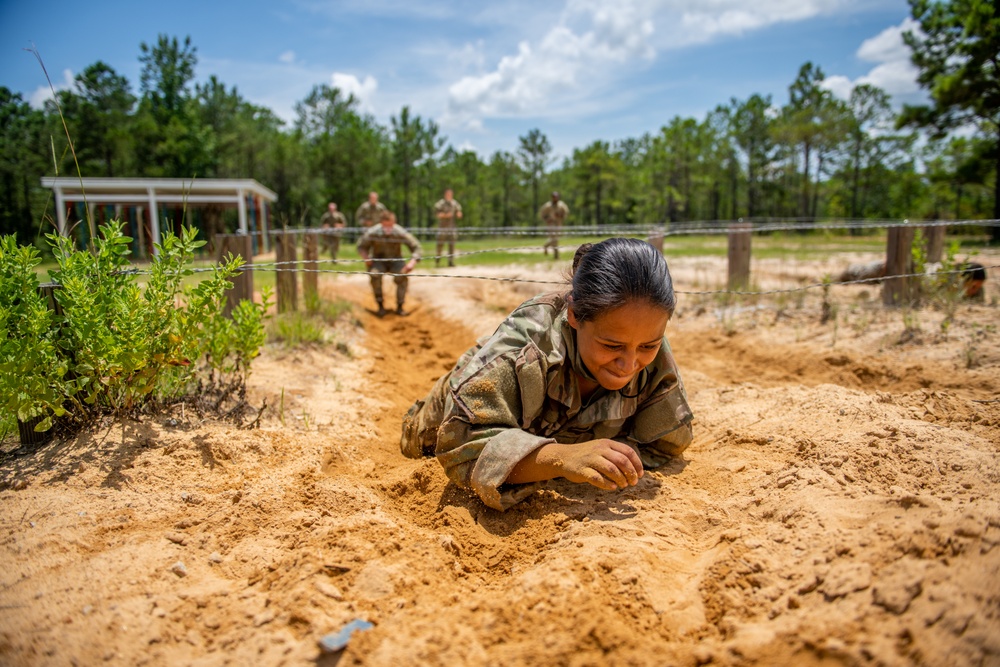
(312, 326)
(296, 329)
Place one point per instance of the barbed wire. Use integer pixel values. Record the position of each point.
(300, 265)
(657, 229)
(456, 255)
(624, 231)
(515, 279)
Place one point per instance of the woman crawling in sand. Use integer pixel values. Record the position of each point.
(580, 385)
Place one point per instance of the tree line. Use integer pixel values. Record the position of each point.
(816, 156)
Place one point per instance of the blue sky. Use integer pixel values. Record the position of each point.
(580, 70)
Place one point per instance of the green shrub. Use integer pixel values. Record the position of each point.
(32, 370)
(116, 347)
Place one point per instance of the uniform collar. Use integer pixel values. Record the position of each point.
(564, 385)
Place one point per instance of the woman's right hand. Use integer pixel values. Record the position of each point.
(606, 464)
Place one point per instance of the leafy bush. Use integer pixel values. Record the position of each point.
(32, 371)
(116, 346)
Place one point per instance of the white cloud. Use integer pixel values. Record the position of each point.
(42, 94)
(839, 85)
(594, 42)
(288, 57)
(888, 45)
(704, 20)
(363, 91)
(571, 59)
(893, 71)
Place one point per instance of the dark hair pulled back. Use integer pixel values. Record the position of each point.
(617, 271)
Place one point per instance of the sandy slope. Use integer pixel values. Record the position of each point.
(841, 505)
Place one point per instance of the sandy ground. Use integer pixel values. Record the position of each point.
(840, 506)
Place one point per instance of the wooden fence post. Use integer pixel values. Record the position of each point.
(655, 238)
(310, 279)
(285, 275)
(241, 245)
(739, 255)
(935, 242)
(26, 432)
(898, 261)
(48, 291)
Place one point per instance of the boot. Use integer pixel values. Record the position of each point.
(381, 310)
(400, 311)
(555, 253)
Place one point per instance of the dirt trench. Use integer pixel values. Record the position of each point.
(817, 519)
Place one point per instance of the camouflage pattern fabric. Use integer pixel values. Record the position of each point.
(385, 250)
(447, 223)
(447, 228)
(331, 240)
(519, 389)
(369, 214)
(379, 243)
(553, 216)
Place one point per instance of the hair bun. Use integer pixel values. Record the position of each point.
(580, 252)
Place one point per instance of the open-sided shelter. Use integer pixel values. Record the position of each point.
(143, 202)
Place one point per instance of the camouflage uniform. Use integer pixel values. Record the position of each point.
(519, 389)
(447, 231)
(553, 215)
(331, 239)
(384, 248)
(369, 214)
(868, 271)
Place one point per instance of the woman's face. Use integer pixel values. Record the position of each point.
(617, 345)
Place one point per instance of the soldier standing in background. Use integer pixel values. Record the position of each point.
(447, 210)
(370, 213)
(553, 213)
(331, 223)
(381, 248)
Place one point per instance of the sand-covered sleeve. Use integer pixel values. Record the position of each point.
(483, 434)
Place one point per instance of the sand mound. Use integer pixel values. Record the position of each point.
(841, 505)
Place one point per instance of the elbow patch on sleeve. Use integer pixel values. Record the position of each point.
(489, 398)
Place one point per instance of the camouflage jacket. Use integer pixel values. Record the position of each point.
(369, 214)
(450, 209)
(520, 390)
(333, 219)
(377, 243)
(553, 214)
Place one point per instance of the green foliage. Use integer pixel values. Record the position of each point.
(812, 157)
(955, 51)
(32, 372)
(295, 328)
(115, 347)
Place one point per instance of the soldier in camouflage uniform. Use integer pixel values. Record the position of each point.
(553, 214)
(370, 213)
(331, 223)
(581, 386)
(381, 248)
(447, 211)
